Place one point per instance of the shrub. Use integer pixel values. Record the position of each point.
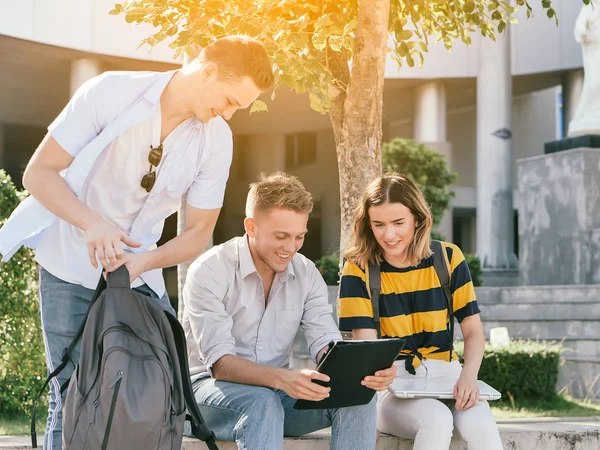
(474, 264)
(329, 266)
(22, 361)
(526, 370)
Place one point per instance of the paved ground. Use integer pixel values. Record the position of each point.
(580, 433)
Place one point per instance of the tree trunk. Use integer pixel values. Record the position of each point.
(356, 115)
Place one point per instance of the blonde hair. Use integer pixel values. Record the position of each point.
(278, 190)
(363, 247)
(240, 56)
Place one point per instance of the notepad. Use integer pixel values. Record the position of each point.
(439, 388)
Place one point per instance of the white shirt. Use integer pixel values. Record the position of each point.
(108, 127)
(226, 312)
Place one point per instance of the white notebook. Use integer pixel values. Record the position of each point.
(436, 388)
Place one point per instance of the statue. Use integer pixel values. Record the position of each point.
(587, 34)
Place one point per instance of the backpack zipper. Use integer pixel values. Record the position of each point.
(116, 384)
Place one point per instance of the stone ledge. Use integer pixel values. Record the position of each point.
(517, 434)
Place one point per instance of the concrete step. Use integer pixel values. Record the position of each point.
(580, 379)
(546, 330)
(581, 349)
(539, 294)
(541, 311)
(534, 434)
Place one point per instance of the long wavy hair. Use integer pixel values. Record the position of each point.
(363, 247)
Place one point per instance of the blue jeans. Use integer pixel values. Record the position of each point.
(257, 418)
(62, 308)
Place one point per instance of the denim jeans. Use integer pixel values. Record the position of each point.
(62, 308)
(257, 418)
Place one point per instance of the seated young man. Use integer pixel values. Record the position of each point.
(244, 302)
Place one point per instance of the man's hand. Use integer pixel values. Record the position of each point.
(381, 380)
(298, 384)
(136, 263)
(105, 241)
(466, 391)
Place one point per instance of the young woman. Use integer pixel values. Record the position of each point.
(392, 226)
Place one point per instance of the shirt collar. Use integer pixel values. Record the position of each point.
(248, 267)
(153, 94)
(155, 91)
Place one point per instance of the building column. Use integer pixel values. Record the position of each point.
(82, 70)
(430, 112)
(429, 118)
(572, 85)
(495, 216)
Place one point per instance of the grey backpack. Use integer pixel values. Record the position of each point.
(131, 386)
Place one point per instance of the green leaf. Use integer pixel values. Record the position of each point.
(335, 43)
(258, 106)
(319, 41)
(406, 35)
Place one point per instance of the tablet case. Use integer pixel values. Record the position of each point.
(347, 363)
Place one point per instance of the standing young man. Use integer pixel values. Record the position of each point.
(244, 302)
(130, 145)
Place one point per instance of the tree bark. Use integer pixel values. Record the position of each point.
(356, 115)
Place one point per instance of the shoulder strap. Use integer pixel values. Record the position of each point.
(199, 428)
(374, 287)
(442, 269)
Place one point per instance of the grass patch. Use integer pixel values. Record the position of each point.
(19, 424)
(559, 406)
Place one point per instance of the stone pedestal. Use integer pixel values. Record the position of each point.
(559, 218)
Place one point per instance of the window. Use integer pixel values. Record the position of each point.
(300, 149)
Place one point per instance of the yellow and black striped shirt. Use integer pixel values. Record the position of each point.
(412, 304)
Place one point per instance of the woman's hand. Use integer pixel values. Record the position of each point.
(381, 380)
(466, 391)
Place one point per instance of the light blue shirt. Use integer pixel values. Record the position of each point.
(102, 109)
(226, 312)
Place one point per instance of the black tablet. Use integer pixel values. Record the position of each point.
(347, 363)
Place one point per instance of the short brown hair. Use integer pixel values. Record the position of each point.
(278, 190)
(240, 56)
(363, 247)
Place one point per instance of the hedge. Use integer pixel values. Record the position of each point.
(526, 370)
(329, 266)
(22, 360)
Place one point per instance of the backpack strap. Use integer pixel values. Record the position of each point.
(66, 357)
(442, 269)
(199, 428)
(374, 288)
(119, 278)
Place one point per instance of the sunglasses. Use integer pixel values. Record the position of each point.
(154, 158)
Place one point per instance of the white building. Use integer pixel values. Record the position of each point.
(47, 49)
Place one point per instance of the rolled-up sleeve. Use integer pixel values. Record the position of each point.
(211, 325)
(317, 320)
